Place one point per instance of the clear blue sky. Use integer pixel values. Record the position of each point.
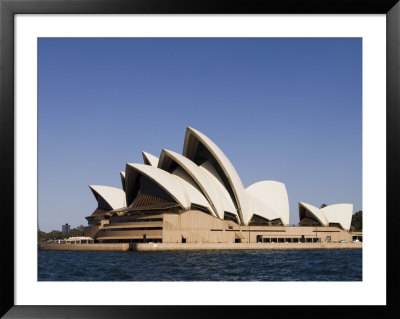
(288, 110)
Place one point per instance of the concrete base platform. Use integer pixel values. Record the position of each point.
(87, 247)
(196, 246)
(239, 246)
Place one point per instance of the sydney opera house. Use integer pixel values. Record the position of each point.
(198, 197)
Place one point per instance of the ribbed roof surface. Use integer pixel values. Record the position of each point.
(164, 179)
(314, 211)
(150, 202)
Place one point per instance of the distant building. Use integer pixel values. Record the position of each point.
(66, 229)
(81, 227)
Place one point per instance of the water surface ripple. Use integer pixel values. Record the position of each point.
(222, 265)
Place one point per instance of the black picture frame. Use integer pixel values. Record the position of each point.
(8, 8)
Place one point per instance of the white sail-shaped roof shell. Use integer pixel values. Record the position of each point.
(164, 179)
(195, 195)
(261, 209)
(339, 213)
(274, 198)
(240, 197)
(150, 159)
(223, 194)
(316, 212)
(206, 186)
(113, 196)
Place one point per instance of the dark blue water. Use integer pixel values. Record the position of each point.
(228, 265)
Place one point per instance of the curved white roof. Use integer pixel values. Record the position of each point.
(339, 213)
(164, 179)
(223, 194)
(211, 169)
(261, 209)
(114, 197)
(241, 199)
(206, 186)
(316, 212)
(273, 196)
(149, 159)
(194, 193)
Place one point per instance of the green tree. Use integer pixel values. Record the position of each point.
(75, 233)
(54, 234)
(42, 236)
(356, 221)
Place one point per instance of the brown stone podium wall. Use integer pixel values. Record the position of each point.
(195, 226)
(86, 247)
(242, 246)
(199, 227)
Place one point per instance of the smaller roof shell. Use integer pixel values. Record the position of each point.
(273, 197)
(164, 179)
(114, 197)
(261, 209)
(339, 213)
(316, 212)
(150, 159)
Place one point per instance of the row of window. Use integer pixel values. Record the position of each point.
(132, 229)
(261, 239)
(138, 240)
(142, 220)
(253, 230)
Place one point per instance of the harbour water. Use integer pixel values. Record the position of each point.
(221, 265)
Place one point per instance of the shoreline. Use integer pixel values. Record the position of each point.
(85, 247)
(195, 246)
